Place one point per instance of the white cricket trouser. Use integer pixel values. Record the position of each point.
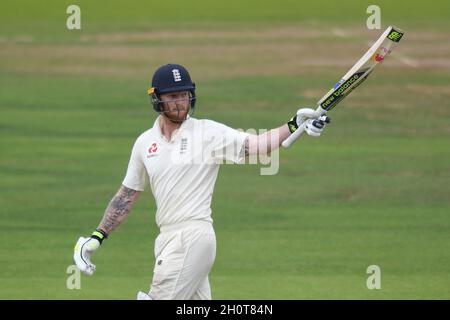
(185, 253)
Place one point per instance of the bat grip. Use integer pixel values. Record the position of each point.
(297, 133)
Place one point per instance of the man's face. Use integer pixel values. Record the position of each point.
(175, 105)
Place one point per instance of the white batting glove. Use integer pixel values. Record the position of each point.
(84, 249)
(304, 115)
(314, 127)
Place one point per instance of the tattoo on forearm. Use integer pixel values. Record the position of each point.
(246, 148)
(118, 209)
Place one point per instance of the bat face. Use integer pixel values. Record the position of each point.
(355, 76)
(340, 90)
(361, 70)
(395, 35)
(380, 54)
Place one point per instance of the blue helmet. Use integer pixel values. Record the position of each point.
(170, 78)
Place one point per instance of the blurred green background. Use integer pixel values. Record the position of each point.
(373, 190)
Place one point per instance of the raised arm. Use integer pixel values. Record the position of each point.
(266, 142)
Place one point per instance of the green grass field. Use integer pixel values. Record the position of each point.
(373, 190)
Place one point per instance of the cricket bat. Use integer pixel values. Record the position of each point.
(354, 77)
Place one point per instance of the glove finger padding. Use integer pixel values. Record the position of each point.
(307, 113)
(318, 124)
(312, 129)
(324, 119)
(82, 254)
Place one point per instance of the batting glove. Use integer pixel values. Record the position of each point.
(312, 120)
(84, 249)
(314, 127)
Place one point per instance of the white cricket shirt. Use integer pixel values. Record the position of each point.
(182, 172)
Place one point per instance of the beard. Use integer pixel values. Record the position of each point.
(177, 114)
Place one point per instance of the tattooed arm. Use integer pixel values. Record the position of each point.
(118, 209)
(266, 142)
(115, 214)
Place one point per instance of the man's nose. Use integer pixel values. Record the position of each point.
(179, 105)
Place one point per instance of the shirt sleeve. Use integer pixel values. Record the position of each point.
(136, 177)
(226, 144)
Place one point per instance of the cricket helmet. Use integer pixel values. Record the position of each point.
(171, 78)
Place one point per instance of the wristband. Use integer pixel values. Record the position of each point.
(99, 235)
(292, 124)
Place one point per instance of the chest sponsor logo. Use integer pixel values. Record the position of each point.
(152, 151)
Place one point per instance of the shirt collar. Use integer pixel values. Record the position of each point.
(157, 128)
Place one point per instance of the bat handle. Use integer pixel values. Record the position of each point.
(294, 136)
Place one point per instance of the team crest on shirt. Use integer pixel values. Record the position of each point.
(183, 145)
(152, 151)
